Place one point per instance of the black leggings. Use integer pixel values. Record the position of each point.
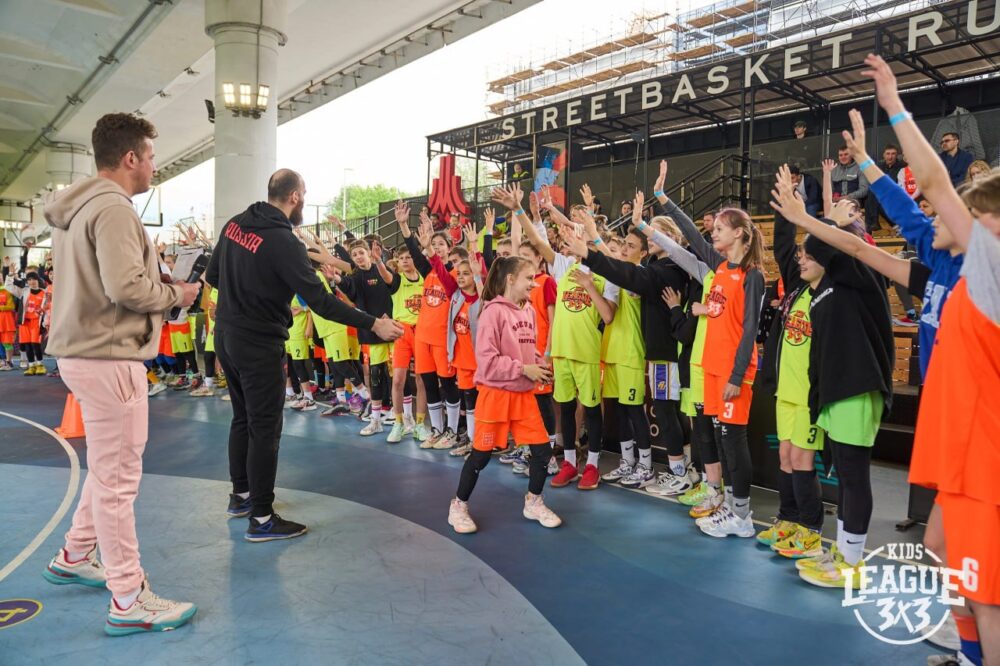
(381, 388)
(592, 418)
(703, 435)
(854, 488)
(186, 360)
(290, 371)
(342, 371)
(477, 460)
(210, 370)
(33, 350)
(635, 415)
(448, 387)
(668, 420)
(548, 412)
(470, 396)
(735, 454)
(301, 370)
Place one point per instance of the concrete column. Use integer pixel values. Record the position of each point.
(247, 36)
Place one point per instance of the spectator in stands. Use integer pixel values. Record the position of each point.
(437, 223)
(978, 169)
(800, 128)
(626, 209)
(891, 165)
(956, 160)
(908, 181)
(518, 174)
(847, 178)
(597, 206)
(808, 188)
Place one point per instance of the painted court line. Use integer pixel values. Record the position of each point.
(74, 482)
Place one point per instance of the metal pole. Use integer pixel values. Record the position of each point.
(569, 155)
(753, 114)
(645, 152)
(874, 134)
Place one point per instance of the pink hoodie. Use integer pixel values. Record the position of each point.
(505, 343)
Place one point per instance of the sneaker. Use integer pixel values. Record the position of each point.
(157, 389)
(779, 531)
(708, 506)
(944, 637)
(306, 404)
(197, 381)
(508, 457)
(954, 659)
(640, 477)
(421, 432)
(695, 496)
(30, 371)
(366, 412)
(396, 434)
(904, 321)
(826, 557)
(388, 418)
(834, 574)
(462, 450)
(182, 384)
(459, 518)
(804, 543)
(669, 484)
(462, 439)
(374, 427)
(553, 466)
(292, 399)
(590, 478)
(220, 382)
(430, 441)
(23, 364)
(617, 474)
(535, 509)
(89, 571)
(446, 440)
(203, 392)
(274, 529)
(55, 373)
(356, 404)
(567, 475)
(148, 613)
(409, 426)
(227, 398)
(336, 409)
(522, 466)
(238, 507)
(730, 525)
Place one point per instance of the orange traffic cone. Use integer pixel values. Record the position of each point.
(72, 421)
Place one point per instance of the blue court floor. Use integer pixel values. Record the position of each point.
(381, 578)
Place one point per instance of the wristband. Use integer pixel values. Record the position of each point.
(658, 193)
(900, 117)
(867, 163)
(548, 353)
(519, 211)
(642, 225)
(597, 241)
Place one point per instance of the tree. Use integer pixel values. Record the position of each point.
(363, 200)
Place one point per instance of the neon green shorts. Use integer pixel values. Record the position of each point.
(695, 395)
(299, 349)
(380, 353)
(210, 342)
(795, 426)
(576, 380)
(341, 347)
(625, 384)
(181, 343)
(853, 420)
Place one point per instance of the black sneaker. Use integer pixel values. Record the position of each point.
(238, 507)
(275, 528)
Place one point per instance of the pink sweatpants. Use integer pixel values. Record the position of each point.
(113, 398)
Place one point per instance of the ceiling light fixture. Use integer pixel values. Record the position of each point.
(244, 101)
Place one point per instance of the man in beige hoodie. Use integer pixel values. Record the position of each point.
(106, 313)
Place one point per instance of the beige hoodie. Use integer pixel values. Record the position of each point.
(107, 300)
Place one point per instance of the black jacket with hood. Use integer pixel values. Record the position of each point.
(258, 266)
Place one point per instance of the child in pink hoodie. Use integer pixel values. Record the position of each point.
(509, 367)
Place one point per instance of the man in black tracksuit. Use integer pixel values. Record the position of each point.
(258, 266)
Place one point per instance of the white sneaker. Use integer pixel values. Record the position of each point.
(396, 434)
(459, 518)
(388, 418)
(669, 484)
(640, 477)
(157, 389)
(463, 450)
(729, 524)
(446, 440)
(429, 442)
(89, 571)
(148, 613)
(619, 473)
(409, 426)
(374, 426)
(535, 509)
(292, 399)
(421, 432)
(203, 392)
(305, 404)
(554, 466)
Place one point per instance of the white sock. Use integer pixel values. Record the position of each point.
(646, 458)
(558, 439)
(729, 496)
(593, 458)
(678, 467)
(262, 519)
(408, 407)
(569, 454)
(437, 416)
(289, 391)
(470, 424)
(363, 392)
(453, 411)
(853, 549)
(628, 451)
(376, 412)
(245, 495)
(341, 395)
(209, 382)
(125, 602)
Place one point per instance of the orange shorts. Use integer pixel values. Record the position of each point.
(165, 347)
(433, 358)
(29, 333)
(972, 542)
(465, 376)
(7, 338)
(320, 354)
(500, 412)
(736, 411)
(365, 354)
(403, 348)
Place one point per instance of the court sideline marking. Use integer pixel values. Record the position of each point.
(74, 482)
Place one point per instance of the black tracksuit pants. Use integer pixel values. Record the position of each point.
(254, 369)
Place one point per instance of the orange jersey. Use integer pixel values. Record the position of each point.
(956, 449)
(8, 322)
(33, 305)
(432, 325)
(725, 302)
(465, 351)
(542, 295)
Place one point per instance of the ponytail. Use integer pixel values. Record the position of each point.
(752, 239)
(496, 279)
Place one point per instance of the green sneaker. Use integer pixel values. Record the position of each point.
(694, 496)
(421, 432)
(396, 434)
(818, 561)
(834, 574)
(779, 531)
(804, 543)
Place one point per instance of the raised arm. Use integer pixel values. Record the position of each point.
(699, 246)
(828, 167)
(930, 172)
(604, 307)
(510, 197)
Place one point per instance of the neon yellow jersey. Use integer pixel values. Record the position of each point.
(796, 339)
(298, 329)
(325, 327)
(213, 300)
(625, 344)
(699, 334)
(406, 300)
(575, 333)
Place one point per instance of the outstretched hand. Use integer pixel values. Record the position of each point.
(402, 213)
(786, 200)
(856, 141)
(829, 165)
(574, 244)
(661, 179)
(489, 219)
(886, 88)
(637, 203)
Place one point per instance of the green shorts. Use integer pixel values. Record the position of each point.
(795, 426)
(341, 347)
(299, 349)
(627, 385)
(576, 380)
(210, 342)
(695, 395)
(379, 353)
(853, 420)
